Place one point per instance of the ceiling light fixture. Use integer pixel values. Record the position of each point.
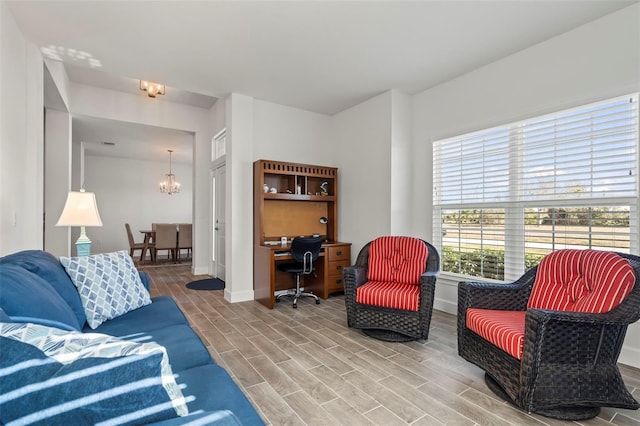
(169, 186)
(152, 89)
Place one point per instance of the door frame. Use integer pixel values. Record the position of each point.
(215, 201)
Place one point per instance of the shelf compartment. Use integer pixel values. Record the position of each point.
(282, 183)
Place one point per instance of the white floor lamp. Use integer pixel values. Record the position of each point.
(81, 210)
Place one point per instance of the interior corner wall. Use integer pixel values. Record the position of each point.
(21, 146)
(592, 62)
(361, 140)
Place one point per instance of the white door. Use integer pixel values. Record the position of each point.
(218, 231)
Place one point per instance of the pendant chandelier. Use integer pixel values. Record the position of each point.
(170, 185)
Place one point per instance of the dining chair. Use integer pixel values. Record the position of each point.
(133, 246)
(166, 239)
(184, 239)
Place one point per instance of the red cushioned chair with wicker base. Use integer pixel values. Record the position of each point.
(549, 342)
(389, 291)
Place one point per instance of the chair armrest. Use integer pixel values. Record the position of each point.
(427, 291)
(565, 318)
(560, 338)
(354, 276)
(508, 296)
(504, 297)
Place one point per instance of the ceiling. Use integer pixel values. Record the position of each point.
(321, 56)
(132, 140)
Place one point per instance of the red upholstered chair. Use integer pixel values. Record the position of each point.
(550, 341)
(389, 291)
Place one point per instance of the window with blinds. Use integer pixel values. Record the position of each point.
(504, 197)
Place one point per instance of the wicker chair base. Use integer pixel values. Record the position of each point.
(387, 335)
(561, 413)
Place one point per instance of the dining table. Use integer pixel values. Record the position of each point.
(149, 235)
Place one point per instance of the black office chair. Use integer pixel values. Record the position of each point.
(304, 251)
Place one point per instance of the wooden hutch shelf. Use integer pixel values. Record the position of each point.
(293, 200)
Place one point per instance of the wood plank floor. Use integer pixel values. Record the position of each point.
(305, 367)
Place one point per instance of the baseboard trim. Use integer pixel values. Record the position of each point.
(445, 306)
(238, 296)
(200, 270)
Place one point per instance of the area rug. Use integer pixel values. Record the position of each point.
(206, 284)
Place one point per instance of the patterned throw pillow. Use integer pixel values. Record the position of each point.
(109, 285)
(54, 376)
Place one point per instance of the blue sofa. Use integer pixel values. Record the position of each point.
(35, 288)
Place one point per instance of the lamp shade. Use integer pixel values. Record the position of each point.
(80, 210)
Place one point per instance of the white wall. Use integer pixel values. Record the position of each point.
(289, 134)
(131, 195)
(57, 181)
(21, 135)
(402, 185)
(239, 198)
(217, 116)
(593, 62)
(60, 79)
(361, 140)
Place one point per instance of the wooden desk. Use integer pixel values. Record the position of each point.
(267, 279)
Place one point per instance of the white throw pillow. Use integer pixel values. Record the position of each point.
(109, 285)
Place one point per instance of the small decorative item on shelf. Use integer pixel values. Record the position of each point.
(324, 188)
(265, 188)
(273, 191)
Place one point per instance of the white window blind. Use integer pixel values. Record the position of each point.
(510, 194)
(588, 152)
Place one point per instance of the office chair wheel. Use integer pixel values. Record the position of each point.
(295, 305)
(317, 302)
